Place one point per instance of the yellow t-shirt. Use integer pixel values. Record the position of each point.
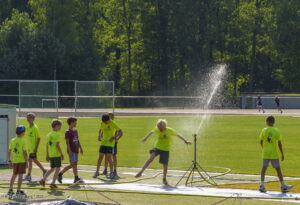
(18, 146)
(164, 138)
(52, 139)
(270, 137)
(32, 135)
(108, 131)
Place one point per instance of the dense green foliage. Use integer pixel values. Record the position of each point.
(152, 46)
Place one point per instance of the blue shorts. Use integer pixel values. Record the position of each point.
(73, 157)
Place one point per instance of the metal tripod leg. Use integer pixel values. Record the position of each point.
(185, 174)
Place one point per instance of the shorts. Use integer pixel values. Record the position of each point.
(163, 155)
(275, 163)
(106, 149)
(55, 162)
(73, 157)
(32, 155)
(19, 168)
(115, 150)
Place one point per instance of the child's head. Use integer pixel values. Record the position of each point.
(56, 125)
(161, 124)
(20, 130)
(111, 116)
(72, 121)
(270, 121)
(105, 118)
(30, 118)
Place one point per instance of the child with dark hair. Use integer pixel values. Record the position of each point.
(17, 159)
(270, 140)
(109, 131)
(54, 153)
(73, 148)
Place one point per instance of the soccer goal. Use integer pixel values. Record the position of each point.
(39, 96)
(94, 97)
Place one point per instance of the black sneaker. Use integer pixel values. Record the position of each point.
(78, 181)
(262, 189)
(20, 194)
(59, 178)
(10, 192)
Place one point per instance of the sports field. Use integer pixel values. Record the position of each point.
(229, 141)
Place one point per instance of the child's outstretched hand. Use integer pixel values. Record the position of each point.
(282, 157)
(143, 140)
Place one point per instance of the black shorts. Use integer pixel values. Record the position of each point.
(55, 162)
(106, 150)
(115, 150)
(32, 156)
(163, 155)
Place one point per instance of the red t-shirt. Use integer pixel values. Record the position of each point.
(72, 135)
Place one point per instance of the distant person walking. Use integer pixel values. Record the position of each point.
(277, 102)
(259, 104)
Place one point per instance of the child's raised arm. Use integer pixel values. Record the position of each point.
(147, 136)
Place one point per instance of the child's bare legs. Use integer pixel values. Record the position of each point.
(100, 158)
(71, 165)
(106, 163)
(48, 173)
(110, 162)
(20, 180)
(262, 175)
(57, 169)
(147, 163)
(165, 166)
(37, 163)
(12, 181)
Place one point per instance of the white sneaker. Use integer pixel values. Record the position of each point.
(27, 178)
(96, 174)
(286, 188)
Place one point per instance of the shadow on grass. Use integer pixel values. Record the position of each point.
(56, 193)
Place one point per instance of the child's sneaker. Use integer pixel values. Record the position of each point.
(42, 182)
(27, 178)
(10, 193)
(262, 189)
(53, 186)
(115, 173)
(104, 172)
(96, 174)
(59, 178)
(78, 181)
(111, 175)
(20, 194)
(286, 188)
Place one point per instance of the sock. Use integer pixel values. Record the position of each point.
(60, 174)
(262, 183)
(282, 183)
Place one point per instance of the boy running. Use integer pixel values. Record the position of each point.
(162, 146)
(53, 153)
(73, 148)
(277, 102)
(17, 159)
(259, 104)
(115, 151)
(270, 140)
(108, 133)
(33, 142)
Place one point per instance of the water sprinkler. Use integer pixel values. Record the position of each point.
(196, 168)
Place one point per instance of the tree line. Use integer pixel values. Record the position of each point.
(153, 47)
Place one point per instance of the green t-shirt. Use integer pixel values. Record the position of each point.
(52, 139)
(18, 146)
(108, 131)
(164, 138)
(32, 135)
(270, 137)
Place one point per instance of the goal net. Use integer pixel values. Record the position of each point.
(94, 97)
(38, 96)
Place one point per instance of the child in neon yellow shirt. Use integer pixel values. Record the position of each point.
(162, 146)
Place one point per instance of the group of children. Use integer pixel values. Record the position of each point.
(259, 104)
(23, 151)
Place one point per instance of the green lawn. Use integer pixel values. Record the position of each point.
(226, 141)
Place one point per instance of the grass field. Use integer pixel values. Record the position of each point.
(227, 141)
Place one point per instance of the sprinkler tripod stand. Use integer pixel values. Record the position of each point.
(196, 168)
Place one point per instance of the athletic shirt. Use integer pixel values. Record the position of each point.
(108, 131)
(72, 136)
(32, 135)
(164, 138)
(52, 139)
(270, 137)
(17, 146)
